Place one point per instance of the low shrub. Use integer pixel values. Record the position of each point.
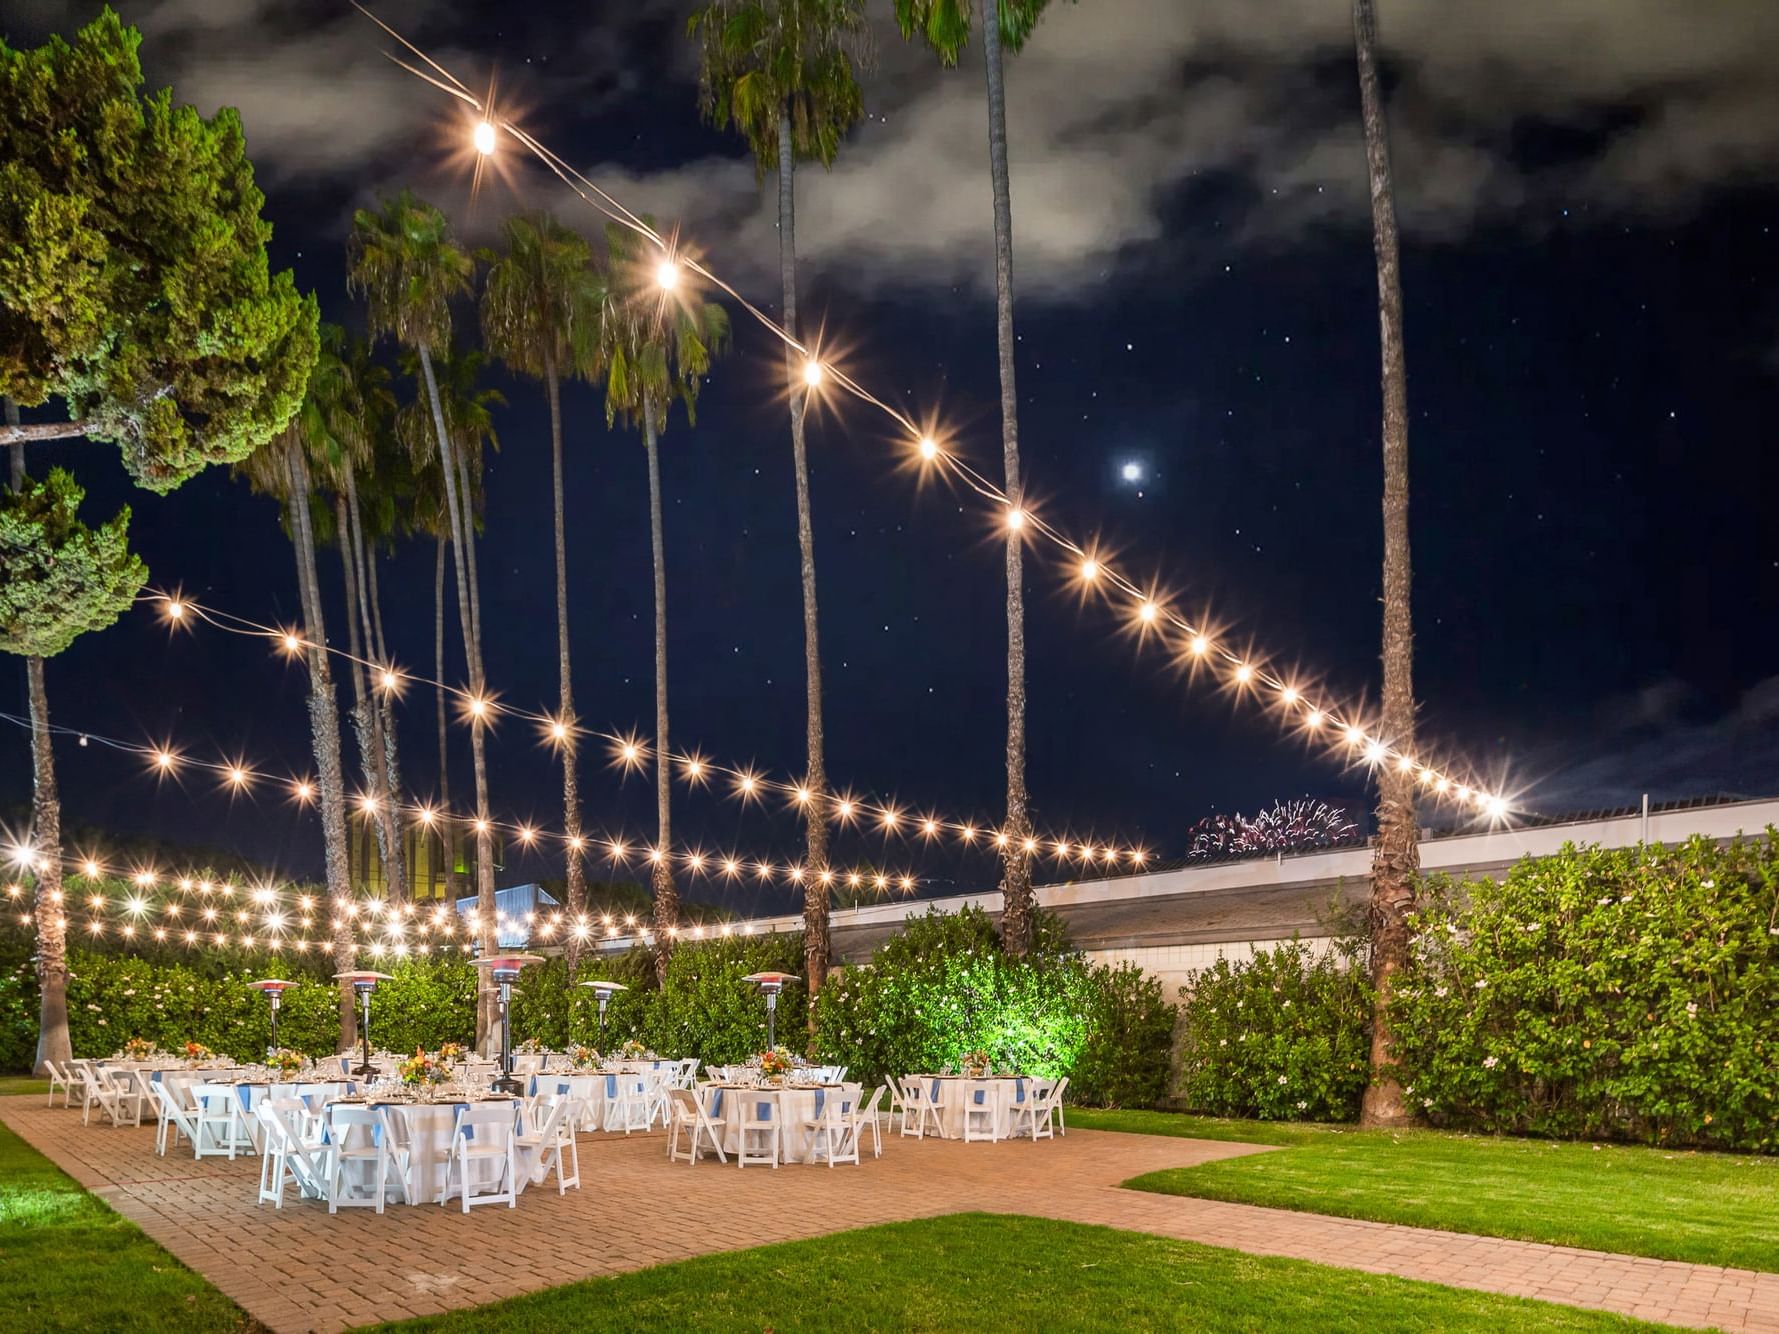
(1596, 993)
(1281, 1036)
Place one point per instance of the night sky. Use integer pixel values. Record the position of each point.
(1590, 197)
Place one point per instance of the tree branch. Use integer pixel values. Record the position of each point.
(14, 433)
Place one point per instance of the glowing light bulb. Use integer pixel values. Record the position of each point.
(175, 609)
(1148, 612)
(929, 448)
(389, 679)
(1313, 719)
(90, 868)
(1496, 807)
(483, 137)
(237, 775)
(1090, 569)
(812, 373)
(303, 791)
(1244, 674)
(292, 644)
(526, 834)
(164, 758)
(1200, 646)
(558, 732)
(667, 275)
(1288, 695)
(478, 706)
(1016, 519)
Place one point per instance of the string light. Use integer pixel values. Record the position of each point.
(604, 202)
(484, 137)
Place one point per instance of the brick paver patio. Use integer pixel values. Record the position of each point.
(300, 1269)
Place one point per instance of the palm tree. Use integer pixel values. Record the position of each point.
(402, 259)
(784, 74)
(655, 349)
(1395, 862)
(945, 26)
(280, 468)
(349, 424)
(541, 304)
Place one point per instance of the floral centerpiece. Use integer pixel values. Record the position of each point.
(632, 1050)
(423, 1071)
(583, 1058)
(776, 1064)
(197, 1052)
(284, 1062)
(138, 1049)
(450, 1052)
(976, 1063)
(531, 1046)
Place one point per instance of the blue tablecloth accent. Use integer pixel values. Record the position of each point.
(935, 1091)
(244, 1093)
(1019, 1089)
(820, 1096)
(154, 1076)
(716, 1103)
(564, 1088)
(979, 1096)
(763, 1110)
(532, 1087)
(611, 1086)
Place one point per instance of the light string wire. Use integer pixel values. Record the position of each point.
(630, 751)
(1347, 735)
(238, 778)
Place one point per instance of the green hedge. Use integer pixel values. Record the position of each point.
(1627, 994)
(943, 987)
(1281, 1036)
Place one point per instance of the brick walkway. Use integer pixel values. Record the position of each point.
(300, 1269)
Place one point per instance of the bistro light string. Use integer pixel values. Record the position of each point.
(1341, 730)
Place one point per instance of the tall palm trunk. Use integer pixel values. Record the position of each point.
(367, 722)
(571, 797)
(1016, 882)
(666, 894)
(385, 703)
(324, 730)
(447, 845)
(46, 840)
(815, 892)
(1396, 860)
(457, 502)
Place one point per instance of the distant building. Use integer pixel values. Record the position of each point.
(517, 907)
(424, 854)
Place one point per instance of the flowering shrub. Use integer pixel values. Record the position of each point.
(1626, 994)
(1281, 1036)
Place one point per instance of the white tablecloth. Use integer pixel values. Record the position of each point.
(424, 1129)
(790, 1107)
(957, 1092)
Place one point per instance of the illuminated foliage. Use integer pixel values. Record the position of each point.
(58, 577)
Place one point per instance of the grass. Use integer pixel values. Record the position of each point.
(1709, 1208)
(16, 1084)
(990, 1271)
(71, 1263)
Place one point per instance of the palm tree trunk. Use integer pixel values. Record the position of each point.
(365, 721)
(372, 715)
(392, 773)
(666, 895)
(53, 1043)
(816, 945)
(324, 730)
(1396, 861)
(1016, 868)
(446, 843)
(457, 502)
(576, 869)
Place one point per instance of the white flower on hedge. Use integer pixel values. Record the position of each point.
(1439, 991)
(1481, 982)
(92, 1007)
(1692, 1007)
(103, 1023)
(1287, 1004)
(1426, 1102)
(1222, 1042)
(1281, 1079)
(1490, 1062)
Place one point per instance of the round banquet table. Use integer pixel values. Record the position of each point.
(957, 1092)
(587, 1090)
(791, 1107)
(424, 1130)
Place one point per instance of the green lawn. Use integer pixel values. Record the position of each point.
(988, 1271)
(1705, 1207)
(11, 1084)
(71, 1263)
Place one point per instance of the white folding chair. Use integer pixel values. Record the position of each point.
(1062, 1087)
(630, 1107)
(898, 1103)
(686, 1114)
(58, 1075)
(177, 1118)
(484, 1135)
(687, 1074)
(866, 1118)
(117, 1097)
(761, 1138)
(360, 1137)
(543, 1150)
(920, 1102)
(834, 1131)
(218, 1122)
(981, 1121)
(79, 1072)
(292, 1156)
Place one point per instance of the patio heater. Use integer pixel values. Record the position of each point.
(504, 970)
(770, 984)
(603, 993)
(364, 983)
(274, 990)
